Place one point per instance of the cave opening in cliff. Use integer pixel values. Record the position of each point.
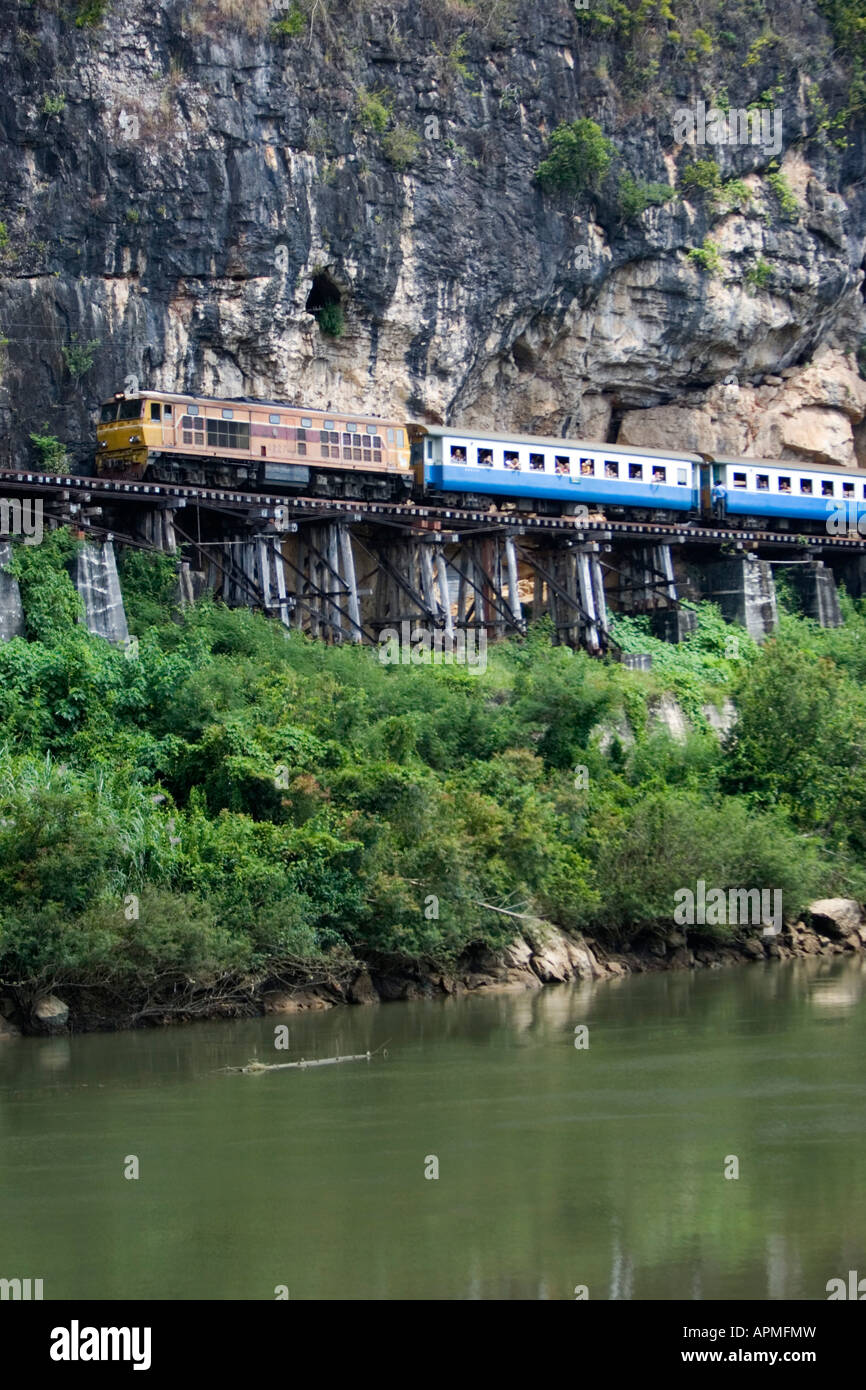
(323, 293)
(324, 302)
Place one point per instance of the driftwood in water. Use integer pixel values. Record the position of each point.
(253, 1067)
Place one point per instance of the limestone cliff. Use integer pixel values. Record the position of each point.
(179, 177)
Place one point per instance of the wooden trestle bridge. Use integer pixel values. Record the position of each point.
(350, 571)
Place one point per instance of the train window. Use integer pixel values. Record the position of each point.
(400, 439)
(308, 424)
(806, 485)
(587, 468)
(561, 463)
(129, 410)
(273, 419)
(659, 474)
(193, 430)
(485, 458)
(739, 480)
(536, 462)
(635, 470)
(192, 410)
(763, 481)
(847, 489)
(682, 477)
(827, 489)
(167, 411)
(390, 436)
(108, 412)
(611, 469)
(329, 424)
(784, 484)
(512, 458)
(372, 429)
(228, 414)
(458, 454)
(228, 434)
(155, 412)
(352, 427)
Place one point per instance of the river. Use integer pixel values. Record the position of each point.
(558, 1167)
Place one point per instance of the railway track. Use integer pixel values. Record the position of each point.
(69, 487)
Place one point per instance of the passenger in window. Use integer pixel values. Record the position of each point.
(586, 468)
(562, 465)
(512, 460)
(806, 485)
(826, 489)
(611, 470)
(784, 484)
(458, 455)
(763, 482)
(658, 474)
(485, 458)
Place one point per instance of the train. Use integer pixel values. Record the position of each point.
(273, 447)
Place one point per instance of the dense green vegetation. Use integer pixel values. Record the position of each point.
(231, 800)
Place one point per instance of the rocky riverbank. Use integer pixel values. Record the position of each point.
(544, 955)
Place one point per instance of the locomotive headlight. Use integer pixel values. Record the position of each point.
(134, 439)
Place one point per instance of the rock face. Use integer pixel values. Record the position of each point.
(181, 181)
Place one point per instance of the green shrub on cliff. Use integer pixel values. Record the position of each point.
(579, 157)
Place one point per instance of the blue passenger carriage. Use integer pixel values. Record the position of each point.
(553, 472)
(782, 494)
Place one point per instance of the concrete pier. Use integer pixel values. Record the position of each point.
(815, 587)
(95, 578)
(743, 588)
(11, 612)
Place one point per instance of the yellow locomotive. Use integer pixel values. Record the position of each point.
(163, 437)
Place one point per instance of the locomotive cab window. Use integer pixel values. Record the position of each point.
(806, 486)
(167, 412)
(827, 489)
(129, 410)
(635, 470)
(108, 413)
(739, 480)
(611, 469)
(155, 412)
(763, 482)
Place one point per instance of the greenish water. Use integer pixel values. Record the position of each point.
(558, 1167)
